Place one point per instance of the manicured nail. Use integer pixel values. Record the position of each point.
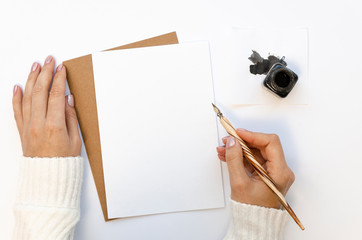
(60, 67)
(70, 99)
(242, 129)
(230, 142)
(15, 89)
(225, 138)
(34, 66)
(48, 59)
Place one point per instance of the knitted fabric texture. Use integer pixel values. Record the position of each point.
(250, 222)
(48, 205)
(48, 198)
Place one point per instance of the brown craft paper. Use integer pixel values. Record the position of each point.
(81, 84)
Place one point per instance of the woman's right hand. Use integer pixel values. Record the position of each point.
(246, 185)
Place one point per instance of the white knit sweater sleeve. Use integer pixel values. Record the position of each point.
(48, 205)
(48, 198)
(250, 222)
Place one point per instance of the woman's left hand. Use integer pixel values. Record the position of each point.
(46, 119)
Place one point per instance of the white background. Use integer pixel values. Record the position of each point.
(322, 140)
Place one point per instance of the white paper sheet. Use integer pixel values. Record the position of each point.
(246, 88)
(158, 130)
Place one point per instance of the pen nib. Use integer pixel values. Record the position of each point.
(216, 109)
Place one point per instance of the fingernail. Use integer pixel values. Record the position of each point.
(48, 59)
(224, 138)
(70, 99)
(15, 89)
(242, 129)
(60, 67)
(34, 66)
(230, 142)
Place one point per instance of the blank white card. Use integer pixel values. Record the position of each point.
(158, 130)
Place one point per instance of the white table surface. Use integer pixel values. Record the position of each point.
(322, 140)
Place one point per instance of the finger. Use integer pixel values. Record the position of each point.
(56, 102)
(41, 89)
(28, 92)
(254, 139)
(248, 166)
(270, 142)
(221, 150)
(221, 154)
(234, 160)
(221, 157)
(71, 119)
(18, 108)
(260, 158)
(271, 150)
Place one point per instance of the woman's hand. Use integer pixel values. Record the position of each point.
(46, 119)
(246, 185)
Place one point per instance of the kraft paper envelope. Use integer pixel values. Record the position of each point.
(81, 84)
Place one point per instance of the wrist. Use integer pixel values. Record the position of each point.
(263, 199)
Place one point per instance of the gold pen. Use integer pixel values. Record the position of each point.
(263, 174)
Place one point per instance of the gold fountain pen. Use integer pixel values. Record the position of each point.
(263, 174)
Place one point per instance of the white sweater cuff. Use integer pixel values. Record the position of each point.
(50, 182)
(252, 222)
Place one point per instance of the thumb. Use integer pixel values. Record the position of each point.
(71, 119)
(234, 160)
(18, 108)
